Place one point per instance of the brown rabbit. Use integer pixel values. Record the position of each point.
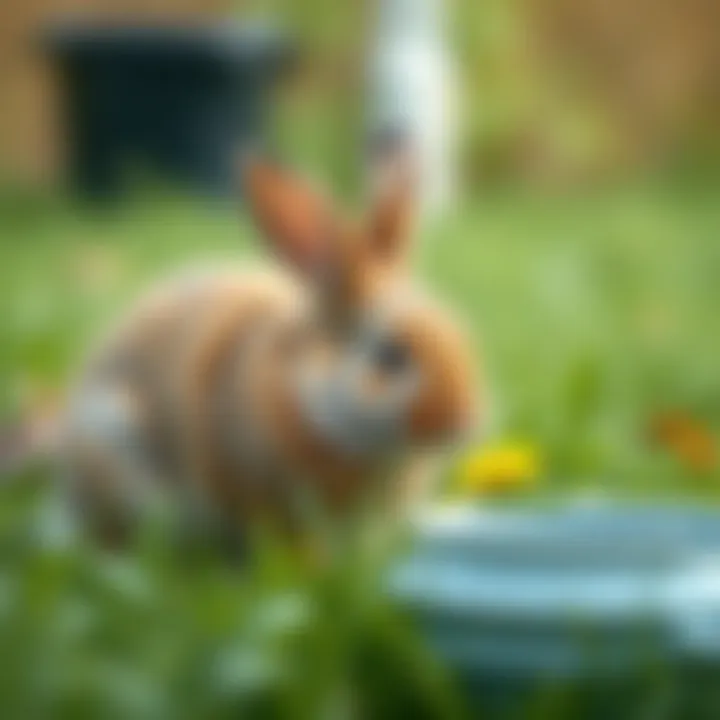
(243, 396)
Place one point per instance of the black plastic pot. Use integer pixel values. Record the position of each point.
(178, 102)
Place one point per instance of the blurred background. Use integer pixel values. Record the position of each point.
(578, 234)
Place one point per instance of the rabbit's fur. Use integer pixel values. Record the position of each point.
(251, 396)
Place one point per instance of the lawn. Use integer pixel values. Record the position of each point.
(595, 313)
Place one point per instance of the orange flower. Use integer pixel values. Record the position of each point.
(687, 438)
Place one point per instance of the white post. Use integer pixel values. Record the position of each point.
(412, 94)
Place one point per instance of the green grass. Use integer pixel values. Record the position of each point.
(593, 313)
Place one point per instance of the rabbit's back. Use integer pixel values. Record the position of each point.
(168, 336)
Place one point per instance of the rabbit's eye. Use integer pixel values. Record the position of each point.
(392, 357)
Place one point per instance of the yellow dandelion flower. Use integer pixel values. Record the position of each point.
(500, 468)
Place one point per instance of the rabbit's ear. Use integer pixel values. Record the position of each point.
(394, 202)
(297, 222)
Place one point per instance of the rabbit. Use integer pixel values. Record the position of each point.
(241, 396)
